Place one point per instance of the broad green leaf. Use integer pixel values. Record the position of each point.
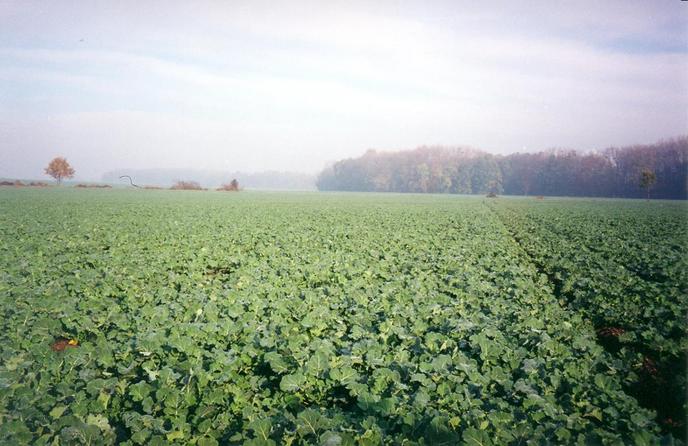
(309, 422)
(261, 428)
(175, 435)
(292, 383)
(475, 437)
(57, 411)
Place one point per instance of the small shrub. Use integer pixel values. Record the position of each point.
(97, 186)
(187, 185)
(232, 186)
(15, 183)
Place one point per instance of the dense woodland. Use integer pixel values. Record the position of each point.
(613, 172)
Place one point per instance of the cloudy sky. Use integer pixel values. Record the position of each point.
(294, 85)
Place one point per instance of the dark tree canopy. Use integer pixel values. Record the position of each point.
(647, 180)
(613, 172)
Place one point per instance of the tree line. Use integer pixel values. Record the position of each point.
(613, 172)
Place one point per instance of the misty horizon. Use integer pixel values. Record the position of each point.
(254, 87)
(167, 175)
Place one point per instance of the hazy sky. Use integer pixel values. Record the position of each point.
(293, 85)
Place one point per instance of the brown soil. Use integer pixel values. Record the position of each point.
(62, 344)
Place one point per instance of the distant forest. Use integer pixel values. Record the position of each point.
(613, 172)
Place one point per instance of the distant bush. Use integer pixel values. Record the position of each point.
(97, 186)
(152, 187)
(187, 185)
(232, 186)
(491, 195)
(17, 183)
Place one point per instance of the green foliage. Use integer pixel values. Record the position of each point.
(623, 265)
(647, 180)
(265, 319)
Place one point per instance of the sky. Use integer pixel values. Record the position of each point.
(296, 85)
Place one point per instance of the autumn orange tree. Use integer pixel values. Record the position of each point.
(59, 168)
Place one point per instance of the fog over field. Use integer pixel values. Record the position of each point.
(295, 86)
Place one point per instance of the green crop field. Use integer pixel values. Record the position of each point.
(204, 318)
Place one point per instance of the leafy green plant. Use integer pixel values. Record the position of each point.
(291, 319)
